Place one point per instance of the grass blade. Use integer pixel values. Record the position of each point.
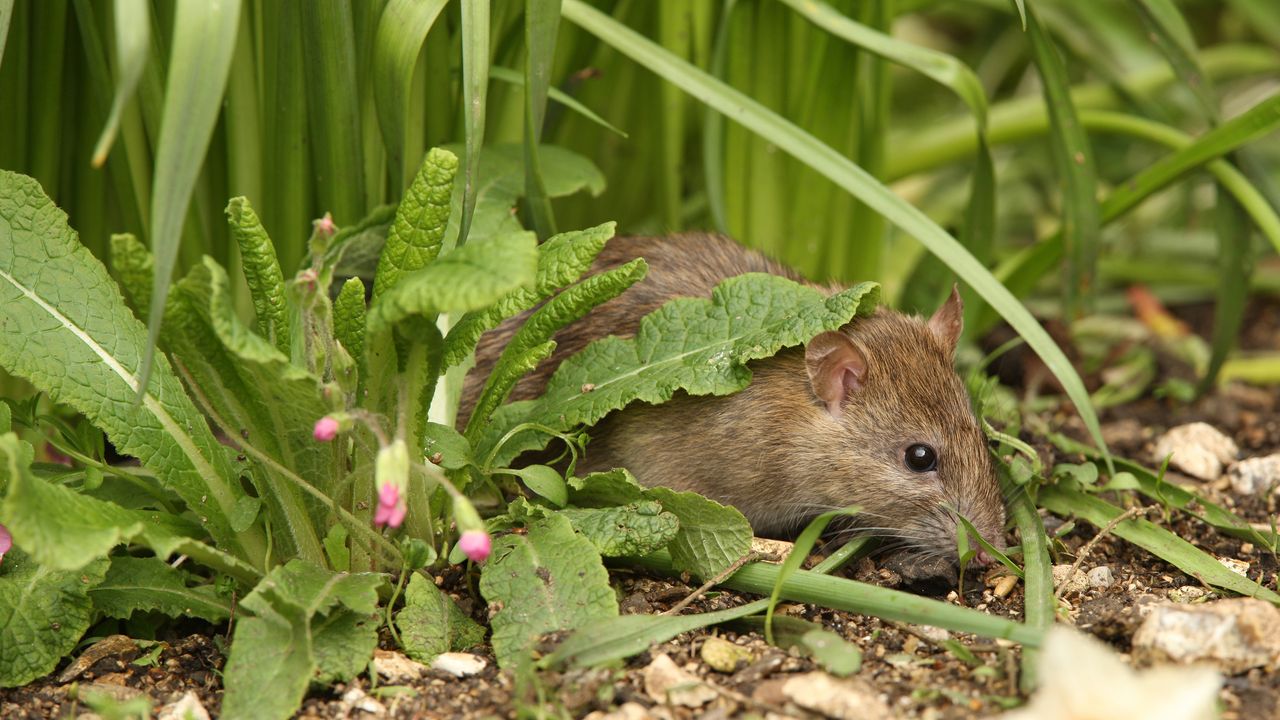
(542, 20)
(713, 124)
(6, 14)
(287, 182)
(402, 29)
(336, 150)
(847, 175)
(1038, 604)
(1235, 266)
(511, 77)
(133, 41)
(1152, 538)
(1074, 160)
(475, 84)
(1173, 38)
(204, 37)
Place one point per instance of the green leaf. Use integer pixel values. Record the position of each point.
(333, 113)
(402, 29)
(803, 545)
(204, 37)
(605, 489)
(542, 21)
(418, 229)
(698, 345)
(711, 537)
(468, 278)
(475, 90)
(43, 614)
(133, 268)
(561, 260)
(548, 579)
(455, 451)
(513, 364)
(545, 481)
(507, 75)
(431, 623)
(133, 43)
(635, 529)
(65, 530)
(270, 664)
(150, 584)
(82, 346)
(835, 654)
(262, 271)
(343, 641)
(349, 317)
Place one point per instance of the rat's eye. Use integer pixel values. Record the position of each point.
(921, 458)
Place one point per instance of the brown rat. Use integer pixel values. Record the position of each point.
(872, 415)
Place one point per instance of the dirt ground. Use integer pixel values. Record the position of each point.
(908, 668)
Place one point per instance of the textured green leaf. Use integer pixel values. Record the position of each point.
(65, 530)
(711, 537)
(349, 317)
(455, 451)
(545, 481)
(81, 344)
(548, 579)
(270, 664)
(635, 529)
(698, 345)
(431, 623)
(134, 583)
(313, 590)
(262, 272)
(604, 489)
(469, 278)
(561, 260)
(43, 614)
(133, 268)
(343, 641)
(416, 233)
(501, 380)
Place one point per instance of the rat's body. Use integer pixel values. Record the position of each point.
(820, 427)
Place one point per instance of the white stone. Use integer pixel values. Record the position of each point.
(187, 707)
(664, 682)
(1256, 475)
(1234, 635)
(1197, 449)
(1076, 582)
(395, 667)
(847, 699)
(1187, 594)
(459, 664)
(356, 699)
(1239, 567)
(1101, 577)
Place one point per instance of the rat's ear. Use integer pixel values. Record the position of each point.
(948, 322)
(836, 368)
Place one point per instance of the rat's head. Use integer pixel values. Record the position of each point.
(910, 452)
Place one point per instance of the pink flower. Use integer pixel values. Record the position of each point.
(6, 541)
(325, 226)
(476, 545)
(326, 429)
(391, 507)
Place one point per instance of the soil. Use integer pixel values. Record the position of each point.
(909, 668)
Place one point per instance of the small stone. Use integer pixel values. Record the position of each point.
(187, 707)
(664, 682)
(1187, 594)
(1076, 582)
(1254, 476)
(772, 548)
(627, 711)
(935, 635)
(1101, 577)
(1005, 585)
(356, 699)
(848, 699)
(459, 664)
(1233, 635)
(1198, 449)
(1246, 548)
(723, 656)
(395, 667)
(1239, 567)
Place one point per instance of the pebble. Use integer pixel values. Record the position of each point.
(1234, 634)
(1197, 449)
(1101, 577)
(665, 682)
(1076, 582)
(397, 668)
(627, 711)
(935, 635)
(723, 656)
(187, 707)
(1254, 476)
(1187, 594)
(356, 699)
(459, 664)
(1239, 567)
(848, 699)
(1005, 585)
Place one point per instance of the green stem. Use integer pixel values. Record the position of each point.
(1038, 603)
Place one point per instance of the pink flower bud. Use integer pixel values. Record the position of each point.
(391, 507)
(326, 429)
(475, 544)
(6, 541)
(325, 226)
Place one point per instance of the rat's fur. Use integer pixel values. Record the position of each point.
(775, 450)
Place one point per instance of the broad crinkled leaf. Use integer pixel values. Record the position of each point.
(548, 579)
(66, 530)
(314, 589)
(43, 614)
(416, 234)
(635, 529)
(562, 259)
(468, 278)
(698, 345)
(134, 583)
(261, 271)
(268, 669)
(431, 623)
(343, 641)
(133, 266)
(349, 317)
(66, 329)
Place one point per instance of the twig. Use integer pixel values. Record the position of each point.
(1088, 547)
(735, 567)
